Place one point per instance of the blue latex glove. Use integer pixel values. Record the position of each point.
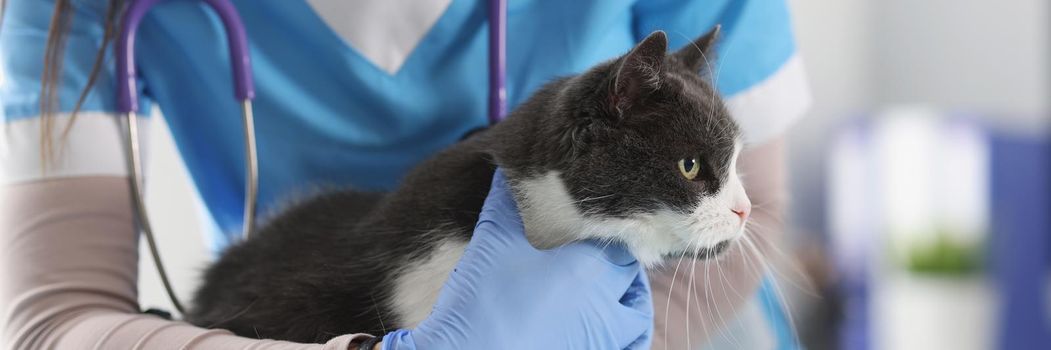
(505, 294)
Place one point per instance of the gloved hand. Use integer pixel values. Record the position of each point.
(505, 294)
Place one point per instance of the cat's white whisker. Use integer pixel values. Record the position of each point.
(733, 307)
(797, 277)
(779, 293)
(709, 297)
(671, 289)
(689, 288)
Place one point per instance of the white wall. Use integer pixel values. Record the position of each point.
(989, 56)
(832, 37)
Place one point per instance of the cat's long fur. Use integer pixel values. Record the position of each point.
(588, 156)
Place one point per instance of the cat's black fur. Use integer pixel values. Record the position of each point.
(616, 132)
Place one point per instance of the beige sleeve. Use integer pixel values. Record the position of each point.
(692, 301)
(68, 271)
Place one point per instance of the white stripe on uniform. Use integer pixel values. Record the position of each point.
(94, 147)
(766, 109)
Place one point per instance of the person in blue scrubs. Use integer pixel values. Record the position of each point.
(354, 93)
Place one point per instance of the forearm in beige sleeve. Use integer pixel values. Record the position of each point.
(694, 299)
(68, 270)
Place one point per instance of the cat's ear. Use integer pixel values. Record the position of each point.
(639, 72)
(700, 54)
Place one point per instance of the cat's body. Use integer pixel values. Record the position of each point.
(328, 268)
(588, 157)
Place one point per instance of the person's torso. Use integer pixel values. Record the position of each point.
(345, 109)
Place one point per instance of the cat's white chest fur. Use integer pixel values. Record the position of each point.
(552, 218)
(417, 286)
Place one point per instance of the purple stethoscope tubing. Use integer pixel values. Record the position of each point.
(237, 39)
(244, 91)
(497, 60)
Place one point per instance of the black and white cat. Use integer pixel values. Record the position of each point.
(639, 150)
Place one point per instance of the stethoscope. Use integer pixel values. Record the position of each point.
(244, 91)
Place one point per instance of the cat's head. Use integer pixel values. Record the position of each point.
(639, 150)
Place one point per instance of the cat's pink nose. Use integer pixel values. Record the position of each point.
(742, 210)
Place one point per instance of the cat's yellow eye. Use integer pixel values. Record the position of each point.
(689, 167)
